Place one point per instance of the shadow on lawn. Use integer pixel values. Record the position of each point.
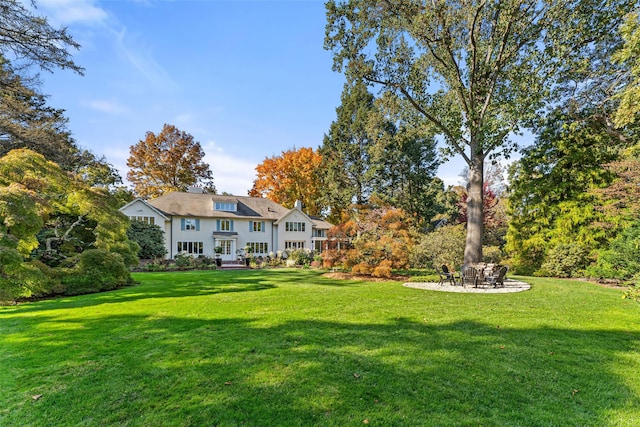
(312, 372)
(189, 284)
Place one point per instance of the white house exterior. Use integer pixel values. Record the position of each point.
(196, 222)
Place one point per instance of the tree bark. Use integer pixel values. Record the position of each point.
(475, 219)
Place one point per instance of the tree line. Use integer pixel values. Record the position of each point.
(424, 82)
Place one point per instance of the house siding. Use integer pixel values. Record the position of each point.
(272, 219)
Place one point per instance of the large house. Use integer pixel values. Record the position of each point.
(195, 223)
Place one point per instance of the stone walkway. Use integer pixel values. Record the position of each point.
(509, 286)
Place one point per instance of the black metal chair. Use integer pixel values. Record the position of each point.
(446, 275)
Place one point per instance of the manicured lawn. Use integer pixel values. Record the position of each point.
(289, 347)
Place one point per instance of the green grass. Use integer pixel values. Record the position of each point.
(289, 347)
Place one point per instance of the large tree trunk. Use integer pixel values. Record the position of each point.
(475, 214)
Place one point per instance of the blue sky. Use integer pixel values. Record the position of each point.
(248, 79)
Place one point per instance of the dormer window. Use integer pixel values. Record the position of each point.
(226, 206)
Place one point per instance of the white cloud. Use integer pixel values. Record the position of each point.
(108, 106)
(67, 12)
(230, 174)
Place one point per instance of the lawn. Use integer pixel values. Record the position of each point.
(290, 347)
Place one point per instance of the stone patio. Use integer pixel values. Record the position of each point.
(509, 287)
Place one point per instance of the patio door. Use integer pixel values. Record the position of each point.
(228, 249)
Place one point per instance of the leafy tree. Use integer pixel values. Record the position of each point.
(377, 153)
(477, 70)
(167, 162)
(149, 237)
(27, 122)
(403, 161)
(379, 240)
(494, 215)
(551, 202)
(36, 194)
(293, 175)
(628, 55)
(32, 41)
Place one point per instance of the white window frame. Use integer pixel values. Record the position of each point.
(294, 244)
(259, 247)
(295, 226)
(191, 248)
(225, 206)
(146, 219)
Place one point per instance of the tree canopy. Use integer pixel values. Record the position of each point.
(378, 153)
(37, 196)
(293, 175)
(167, 162)
(477, 70)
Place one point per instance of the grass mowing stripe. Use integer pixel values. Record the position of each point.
(289, 347)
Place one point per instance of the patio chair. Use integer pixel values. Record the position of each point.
(498, 278)
(446, 275)
(469, 275)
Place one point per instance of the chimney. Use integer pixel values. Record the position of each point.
(298, 205)
(195, 189)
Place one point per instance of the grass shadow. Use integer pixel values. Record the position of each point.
(236, 371)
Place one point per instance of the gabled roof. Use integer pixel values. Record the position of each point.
(139, 200)
(202, 205)
(320, 223)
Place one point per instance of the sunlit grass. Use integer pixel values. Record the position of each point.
(289, 347)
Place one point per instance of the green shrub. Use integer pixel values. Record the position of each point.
(184, 260)
(97, 270)
(445, 246)
(301, 257)
(622, 259)
(492, 254)
(565, 260)
(20, 279)
(633, 292)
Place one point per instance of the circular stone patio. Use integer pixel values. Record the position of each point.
(509, 286)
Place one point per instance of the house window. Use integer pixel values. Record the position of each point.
(295, 226)
(225, 206)
(192, 248)
(190, 224)
(146, 219)
(225, 225)
(319, 233)
(258, 247)
(256, 226)
(293, 245)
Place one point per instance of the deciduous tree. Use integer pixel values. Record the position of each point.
(477, 70)
(293, 175)
(36, 195)
(167, 162)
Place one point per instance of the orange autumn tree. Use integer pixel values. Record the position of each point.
(373, 242)
(169, 161)
(291, 176)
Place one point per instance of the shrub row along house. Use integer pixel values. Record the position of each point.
(195, 222)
